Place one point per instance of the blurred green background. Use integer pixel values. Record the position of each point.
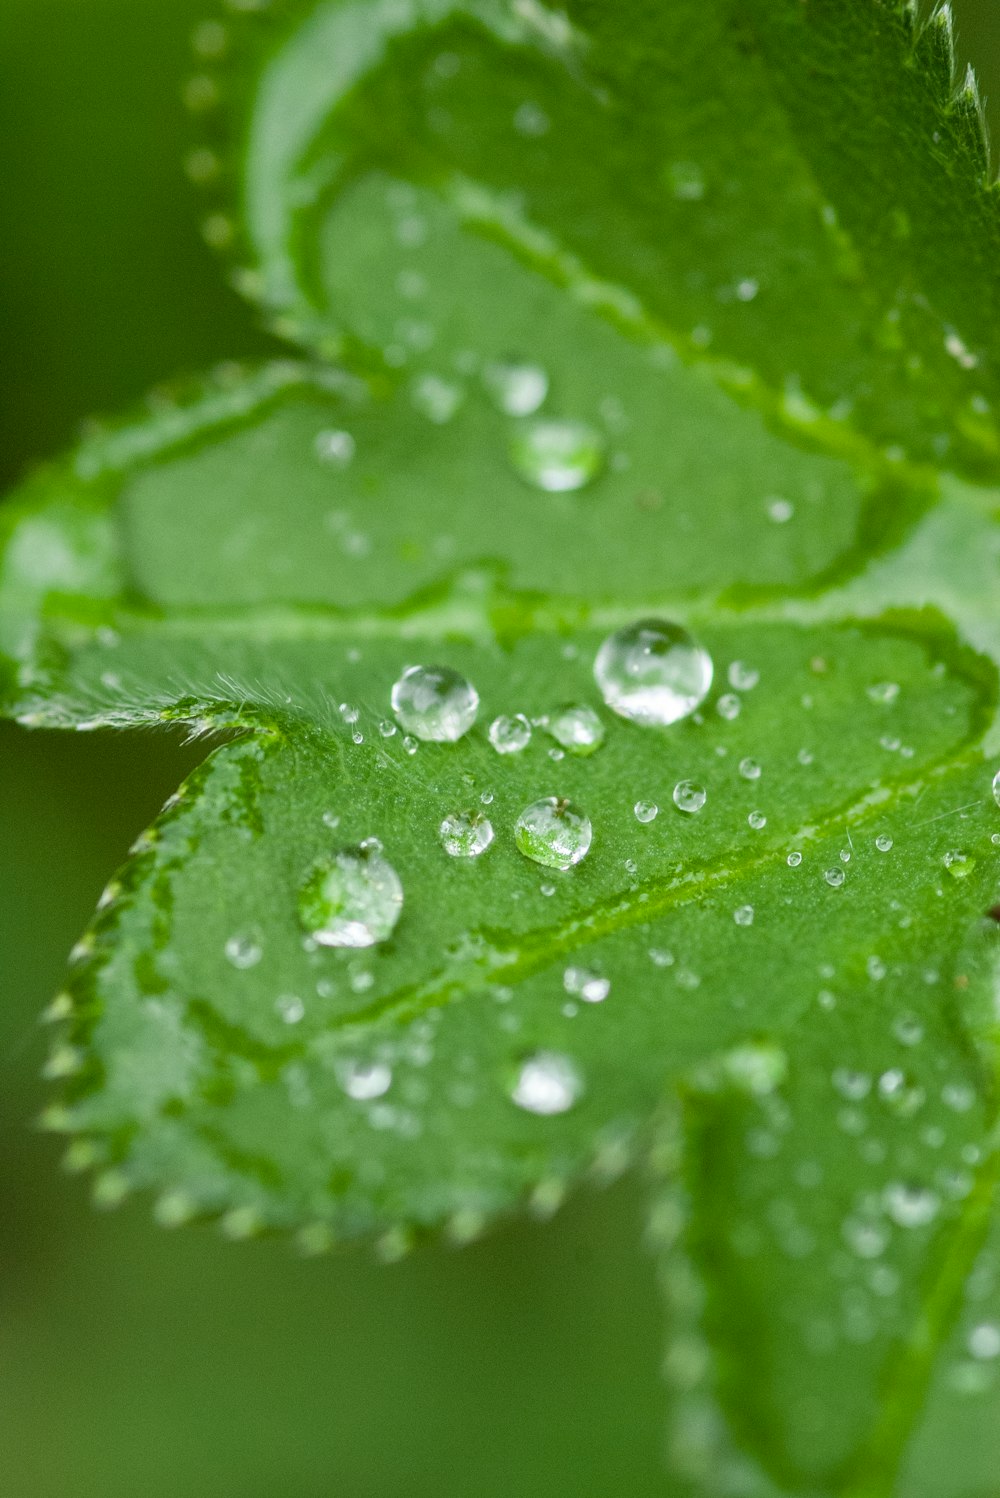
(178, 1366)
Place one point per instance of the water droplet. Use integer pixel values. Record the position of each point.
(577, 729)
(689, 796)
(743, 915)
(558, 456)
(435, 398)
(531, 120)
(653, 672)
(853, 1086)
(510, 735)
(794, 859)
(908, 1029)
(686, 181)
(435, 703)
(757, 820)
(911, 1206)
(244, 950)
(353, 899)
(883, 842)
(883, 691)
(958, 864)
(645, 811)
(553, 832)
(780, 510)
(466, 834)
(749, 769)
(835, 877)
(547, 1083)
(996, 787)
(290, 1007)
(742, 677)
(728, 706)
(984, 1341)
(336, 448)
(365, 1080)
(586, 985)
(516, 389)
(410, 744)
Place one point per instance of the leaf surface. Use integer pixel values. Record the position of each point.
(733, 279)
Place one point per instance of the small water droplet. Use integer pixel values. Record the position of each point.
(689, 796)
(728, 706)
(883, 842)
(743, 915)
(645, 811)
(757, 820)
(908, 1029)
(365, 1080)
(510, 735)
(435, 398)
(466, 834)
(835, 877)
(547, 1083)
(794, 859)
(558, 456)
(531, 120)
(910, 1206)
(591, 987)
(516, 389)
(435, 703)
(743, 677)
(984, 1341)
(244, 950)
(353, 899)
(336, 448)
(958, 864)
(749, 769)
(653, 672)
(290, 1007)
(577, 729)
(780, 510)
(553, 832)
(884, 691)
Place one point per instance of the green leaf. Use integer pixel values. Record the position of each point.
(790, 196)
(783, 1002)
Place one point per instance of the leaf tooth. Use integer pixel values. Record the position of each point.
(934, 51)
(967, 112)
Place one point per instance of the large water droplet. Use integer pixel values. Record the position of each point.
(353, 899)
(558, 456)
(547, 1083)
(553, 832)
(466, 834)
(645, 811)
(577, 729)
(653, 672)
(996, 787)
(510, 735)
(689, 796)
(516, 389)
(435, 703)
